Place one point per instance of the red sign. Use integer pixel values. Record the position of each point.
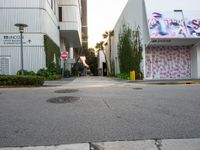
(64, 55)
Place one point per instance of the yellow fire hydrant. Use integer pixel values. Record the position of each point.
(132, 75)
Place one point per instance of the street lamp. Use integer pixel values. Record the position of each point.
(21, 27)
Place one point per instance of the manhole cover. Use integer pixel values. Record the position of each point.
(188, 83)
(67, 91)
(137, 88)
(51, 85)
(61, 100)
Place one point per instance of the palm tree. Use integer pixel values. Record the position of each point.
(108, 35)
(100, 47)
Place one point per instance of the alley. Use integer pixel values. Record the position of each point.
(106, 110)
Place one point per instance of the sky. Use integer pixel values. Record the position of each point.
(102, 16)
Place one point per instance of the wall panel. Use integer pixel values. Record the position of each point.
(34, 58)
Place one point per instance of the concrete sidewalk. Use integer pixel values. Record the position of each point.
(167, 144)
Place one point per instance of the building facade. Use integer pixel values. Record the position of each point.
(101, 63)
(170, 36)
(84, 26)
(53, 25)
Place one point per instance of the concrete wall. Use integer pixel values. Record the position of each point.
(71, 20)
(195, 63)
(71, 15)
(137, 12)
(41, 18)
(172, 5)
(133, 15)
(34, 58)
(198, 63)
(37, 14)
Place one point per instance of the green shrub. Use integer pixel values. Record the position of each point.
(123, 76)
(75, 71)
(48, 74)
(53, 68)
(67, 73)
(138, 76)
(44, 72)
(15, 80)
(54, 77)
(28, 73)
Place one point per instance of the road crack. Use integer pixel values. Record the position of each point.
(115, 114)
(95, 147)
(104, 101)
(158, 144)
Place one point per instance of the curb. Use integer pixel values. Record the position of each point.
(166, 82)
(166, 144)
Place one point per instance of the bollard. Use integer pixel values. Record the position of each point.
(132, 75)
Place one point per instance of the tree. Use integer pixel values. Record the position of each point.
(100, 47)
(107, 36)
(92, 61)
(130, 50)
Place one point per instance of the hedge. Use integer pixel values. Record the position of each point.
(48, 74)
(123, 76)
(14, 80)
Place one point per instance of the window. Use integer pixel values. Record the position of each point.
(60, 13)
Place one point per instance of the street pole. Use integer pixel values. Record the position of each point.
(63, 70)
(21, 27)
(22, 62)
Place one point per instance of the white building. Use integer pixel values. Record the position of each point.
(170, 35)
(57, 20)
(101, 62)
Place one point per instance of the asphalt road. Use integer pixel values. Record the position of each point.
(108, 110)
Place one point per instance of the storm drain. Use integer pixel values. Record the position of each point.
(137, 88)
(63, 100)
(67, 91)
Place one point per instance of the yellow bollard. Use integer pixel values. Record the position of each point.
(132, 75)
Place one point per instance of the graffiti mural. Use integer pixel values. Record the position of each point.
(163, 25)
(168, 62)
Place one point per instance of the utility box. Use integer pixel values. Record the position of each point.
(132, 75)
